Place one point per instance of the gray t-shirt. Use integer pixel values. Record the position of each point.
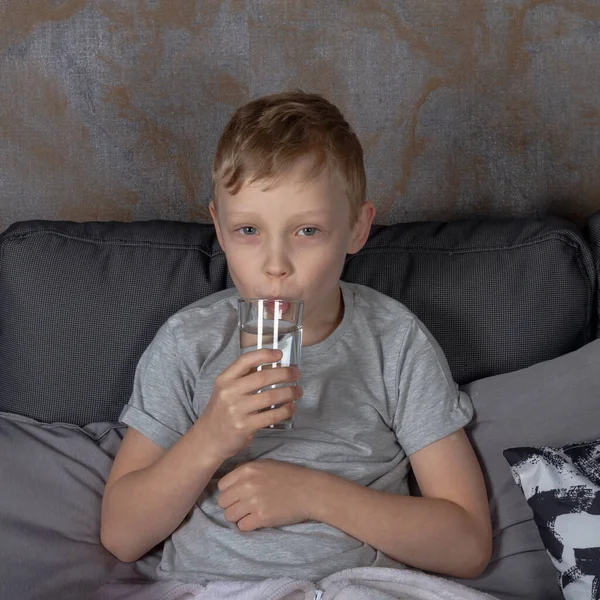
(375, 391)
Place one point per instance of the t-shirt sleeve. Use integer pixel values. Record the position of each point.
(161, 403)
(430, 405)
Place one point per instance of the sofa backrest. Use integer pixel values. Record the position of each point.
(79, 302)
(497, 294)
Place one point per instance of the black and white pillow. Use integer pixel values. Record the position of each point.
(562, 487)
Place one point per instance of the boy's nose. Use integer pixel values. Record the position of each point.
(277, 271)
(277, 266)
(277, 258)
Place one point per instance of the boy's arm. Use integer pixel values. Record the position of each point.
(446, 531)
(150, 490)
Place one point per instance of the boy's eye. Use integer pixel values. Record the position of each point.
(309, 231)
(247, 230)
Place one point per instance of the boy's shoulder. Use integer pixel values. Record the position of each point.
(216, 310)
(379, 308)
(212, 303)
(383, 318)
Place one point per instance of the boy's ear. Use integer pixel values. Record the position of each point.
(213, 213)
(362, 227)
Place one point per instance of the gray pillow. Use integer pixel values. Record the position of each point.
(553, 403)
(53, 477)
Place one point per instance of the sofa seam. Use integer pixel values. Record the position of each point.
(510, 554)
(111, 425)
(111, 242)
(445, 250)
(388, 247)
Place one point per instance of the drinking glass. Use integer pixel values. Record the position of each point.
(272, 323)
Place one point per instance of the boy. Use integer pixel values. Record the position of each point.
(235, 501)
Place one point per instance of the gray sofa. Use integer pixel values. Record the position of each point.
(513, 303)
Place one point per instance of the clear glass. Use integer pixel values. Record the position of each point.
(272, 323)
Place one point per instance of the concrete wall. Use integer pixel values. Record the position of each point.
(111, 109)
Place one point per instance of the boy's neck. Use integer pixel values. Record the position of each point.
(324, 324)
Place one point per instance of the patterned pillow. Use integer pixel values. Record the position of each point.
(562, 487)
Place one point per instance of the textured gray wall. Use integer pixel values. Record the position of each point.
(111, 109)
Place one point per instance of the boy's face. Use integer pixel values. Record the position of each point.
(291, 240)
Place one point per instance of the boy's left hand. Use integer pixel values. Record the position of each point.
(267, 493)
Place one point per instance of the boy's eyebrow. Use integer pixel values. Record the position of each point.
(305, 213)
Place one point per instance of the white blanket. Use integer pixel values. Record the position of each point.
(365, 583)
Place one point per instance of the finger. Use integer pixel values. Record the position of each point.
(237, 511)
(249, 361)
(265, 378)
(248, 523)
(268, 398)
(228, 480)
(228, 498)
(272, 416)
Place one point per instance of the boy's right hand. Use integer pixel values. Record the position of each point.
(231, 417)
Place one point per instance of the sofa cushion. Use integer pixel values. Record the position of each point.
(592, 231)
(562, 487)
(53, 477)
(553, 403)
(497, 294)
(525, 575)
(79, 303)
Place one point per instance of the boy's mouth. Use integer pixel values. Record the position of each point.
(281, 305)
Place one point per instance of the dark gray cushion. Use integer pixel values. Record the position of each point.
(53, 478)
(592, 231)
(498, 295)
(79, 302)
(553, 403)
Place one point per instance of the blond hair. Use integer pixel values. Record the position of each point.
(269, 136)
